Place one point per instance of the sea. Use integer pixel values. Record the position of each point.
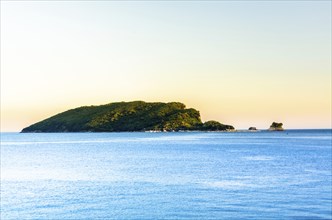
(174, 175)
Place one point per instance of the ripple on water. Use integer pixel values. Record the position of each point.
(258, 158)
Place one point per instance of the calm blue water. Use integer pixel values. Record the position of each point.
(261, 175)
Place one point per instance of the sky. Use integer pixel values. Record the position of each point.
(244, 63)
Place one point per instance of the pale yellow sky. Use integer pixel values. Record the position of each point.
(242, 63)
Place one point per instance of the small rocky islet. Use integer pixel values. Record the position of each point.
(275, 126)
(252, 129)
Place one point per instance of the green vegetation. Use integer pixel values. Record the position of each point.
(216, 126)
(127, 116)
(275, 126)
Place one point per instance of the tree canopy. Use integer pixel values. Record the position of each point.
(127, 116)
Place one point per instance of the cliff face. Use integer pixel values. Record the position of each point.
(122, 116)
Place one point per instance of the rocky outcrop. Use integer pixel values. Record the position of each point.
(275, 126)
(252, 129)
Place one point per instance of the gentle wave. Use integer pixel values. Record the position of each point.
(230, 184)
(65, 142)
(324, 172)
(258, 158)
(122, 140)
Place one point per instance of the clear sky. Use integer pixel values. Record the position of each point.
(241, 63)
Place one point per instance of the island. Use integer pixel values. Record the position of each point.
(275, 126)
(128, 117)
(252, 129)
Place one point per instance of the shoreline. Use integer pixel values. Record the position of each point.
(194, 131)
(180, 131)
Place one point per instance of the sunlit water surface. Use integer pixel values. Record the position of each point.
(189, 175)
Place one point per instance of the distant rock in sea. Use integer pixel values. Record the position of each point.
(275, 126)
(128, 116)
(252, 129)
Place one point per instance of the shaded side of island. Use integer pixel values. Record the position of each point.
(128, 117)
